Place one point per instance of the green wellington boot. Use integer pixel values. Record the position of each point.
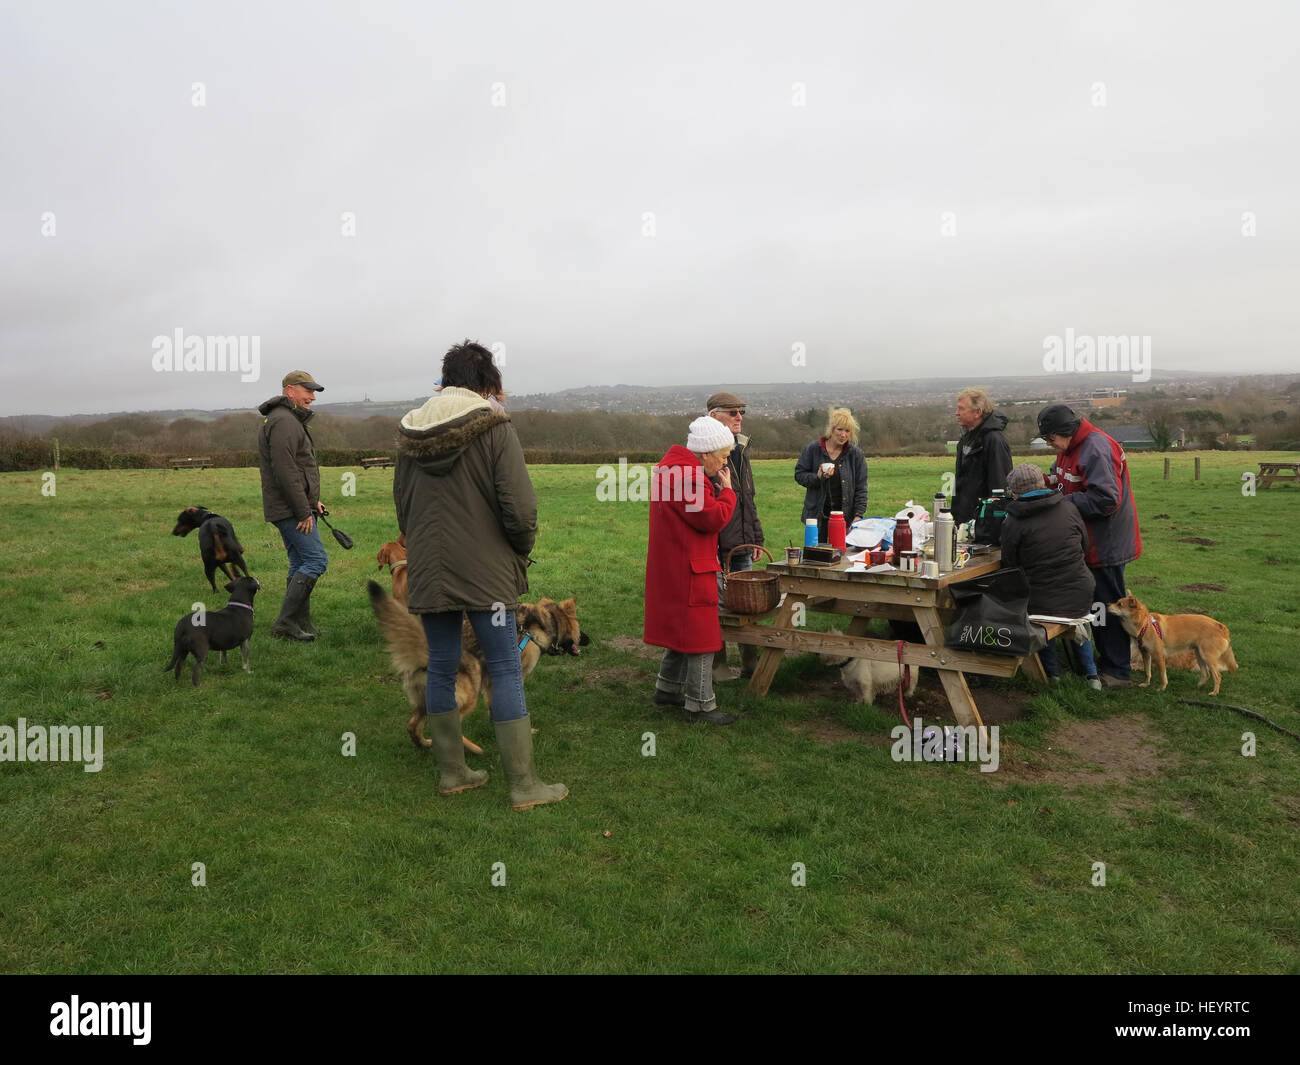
(302, 617)
(297, 592)
(515, 738)
(449, 750)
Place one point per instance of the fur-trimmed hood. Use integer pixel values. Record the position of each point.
(436, 434)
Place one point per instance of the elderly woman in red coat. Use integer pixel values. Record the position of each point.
(681, 587)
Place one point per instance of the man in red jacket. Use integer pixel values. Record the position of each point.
(1092, 473)
(681, 587)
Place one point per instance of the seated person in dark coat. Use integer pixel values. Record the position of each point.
(1046, 537)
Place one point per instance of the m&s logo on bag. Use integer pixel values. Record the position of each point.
(985, 636)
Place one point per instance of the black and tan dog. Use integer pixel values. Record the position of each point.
(218, 630)
(217, 542)
(545, 627)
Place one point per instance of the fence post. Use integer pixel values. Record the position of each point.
(1198, 467)
(1166, 468)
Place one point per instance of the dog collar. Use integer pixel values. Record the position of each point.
(524, 642)
(1151, 621)
(392, 566)
(244, 605)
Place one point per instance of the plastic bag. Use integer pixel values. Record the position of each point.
(872, 534)
(919, 519)
(993, 616)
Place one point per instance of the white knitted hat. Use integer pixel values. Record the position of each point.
(708, 434)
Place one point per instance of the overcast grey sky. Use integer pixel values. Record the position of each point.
(637, 193)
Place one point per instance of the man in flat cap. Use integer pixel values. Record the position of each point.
(291, 497)
(744, 527)
(1091, 471)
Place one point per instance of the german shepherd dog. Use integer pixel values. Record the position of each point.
(217, 542)
(393, 555)
(549, 627)
(220, 630)
(1163, 636)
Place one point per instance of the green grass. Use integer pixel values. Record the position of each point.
(317, 862)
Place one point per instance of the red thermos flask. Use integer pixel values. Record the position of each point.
(835, 529)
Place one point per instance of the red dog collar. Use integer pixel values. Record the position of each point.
(1151, 620)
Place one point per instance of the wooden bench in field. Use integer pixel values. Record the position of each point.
(862, 596)
(191, 464)
(379, 461)
(1275, 472)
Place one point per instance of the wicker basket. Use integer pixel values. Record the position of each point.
(747, 592)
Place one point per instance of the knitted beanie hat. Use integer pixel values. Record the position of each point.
(709, 434)
(1025, 478)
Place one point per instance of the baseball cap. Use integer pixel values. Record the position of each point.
(301, 377)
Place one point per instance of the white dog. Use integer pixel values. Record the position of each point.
(866, 678)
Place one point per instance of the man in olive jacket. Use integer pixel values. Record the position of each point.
(744, 526)
(291, 497)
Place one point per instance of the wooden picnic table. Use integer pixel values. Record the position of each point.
(862, 596)
(1272, 472)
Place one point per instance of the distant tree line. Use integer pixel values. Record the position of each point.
(146, 440)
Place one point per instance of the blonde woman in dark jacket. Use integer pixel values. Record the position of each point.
(834, 471)
(469, 512)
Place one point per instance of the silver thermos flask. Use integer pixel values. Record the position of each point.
(945, 541)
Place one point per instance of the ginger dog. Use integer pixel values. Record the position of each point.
(393, 555)
(1163, 636)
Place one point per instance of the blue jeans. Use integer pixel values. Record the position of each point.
(500, 646)
(1052, 666)
(690, 676)
(306, 552)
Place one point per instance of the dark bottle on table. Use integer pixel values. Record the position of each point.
(902, 537)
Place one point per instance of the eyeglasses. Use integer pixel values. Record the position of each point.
(731, 410)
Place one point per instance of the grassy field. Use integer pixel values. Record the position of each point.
(320, 862)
